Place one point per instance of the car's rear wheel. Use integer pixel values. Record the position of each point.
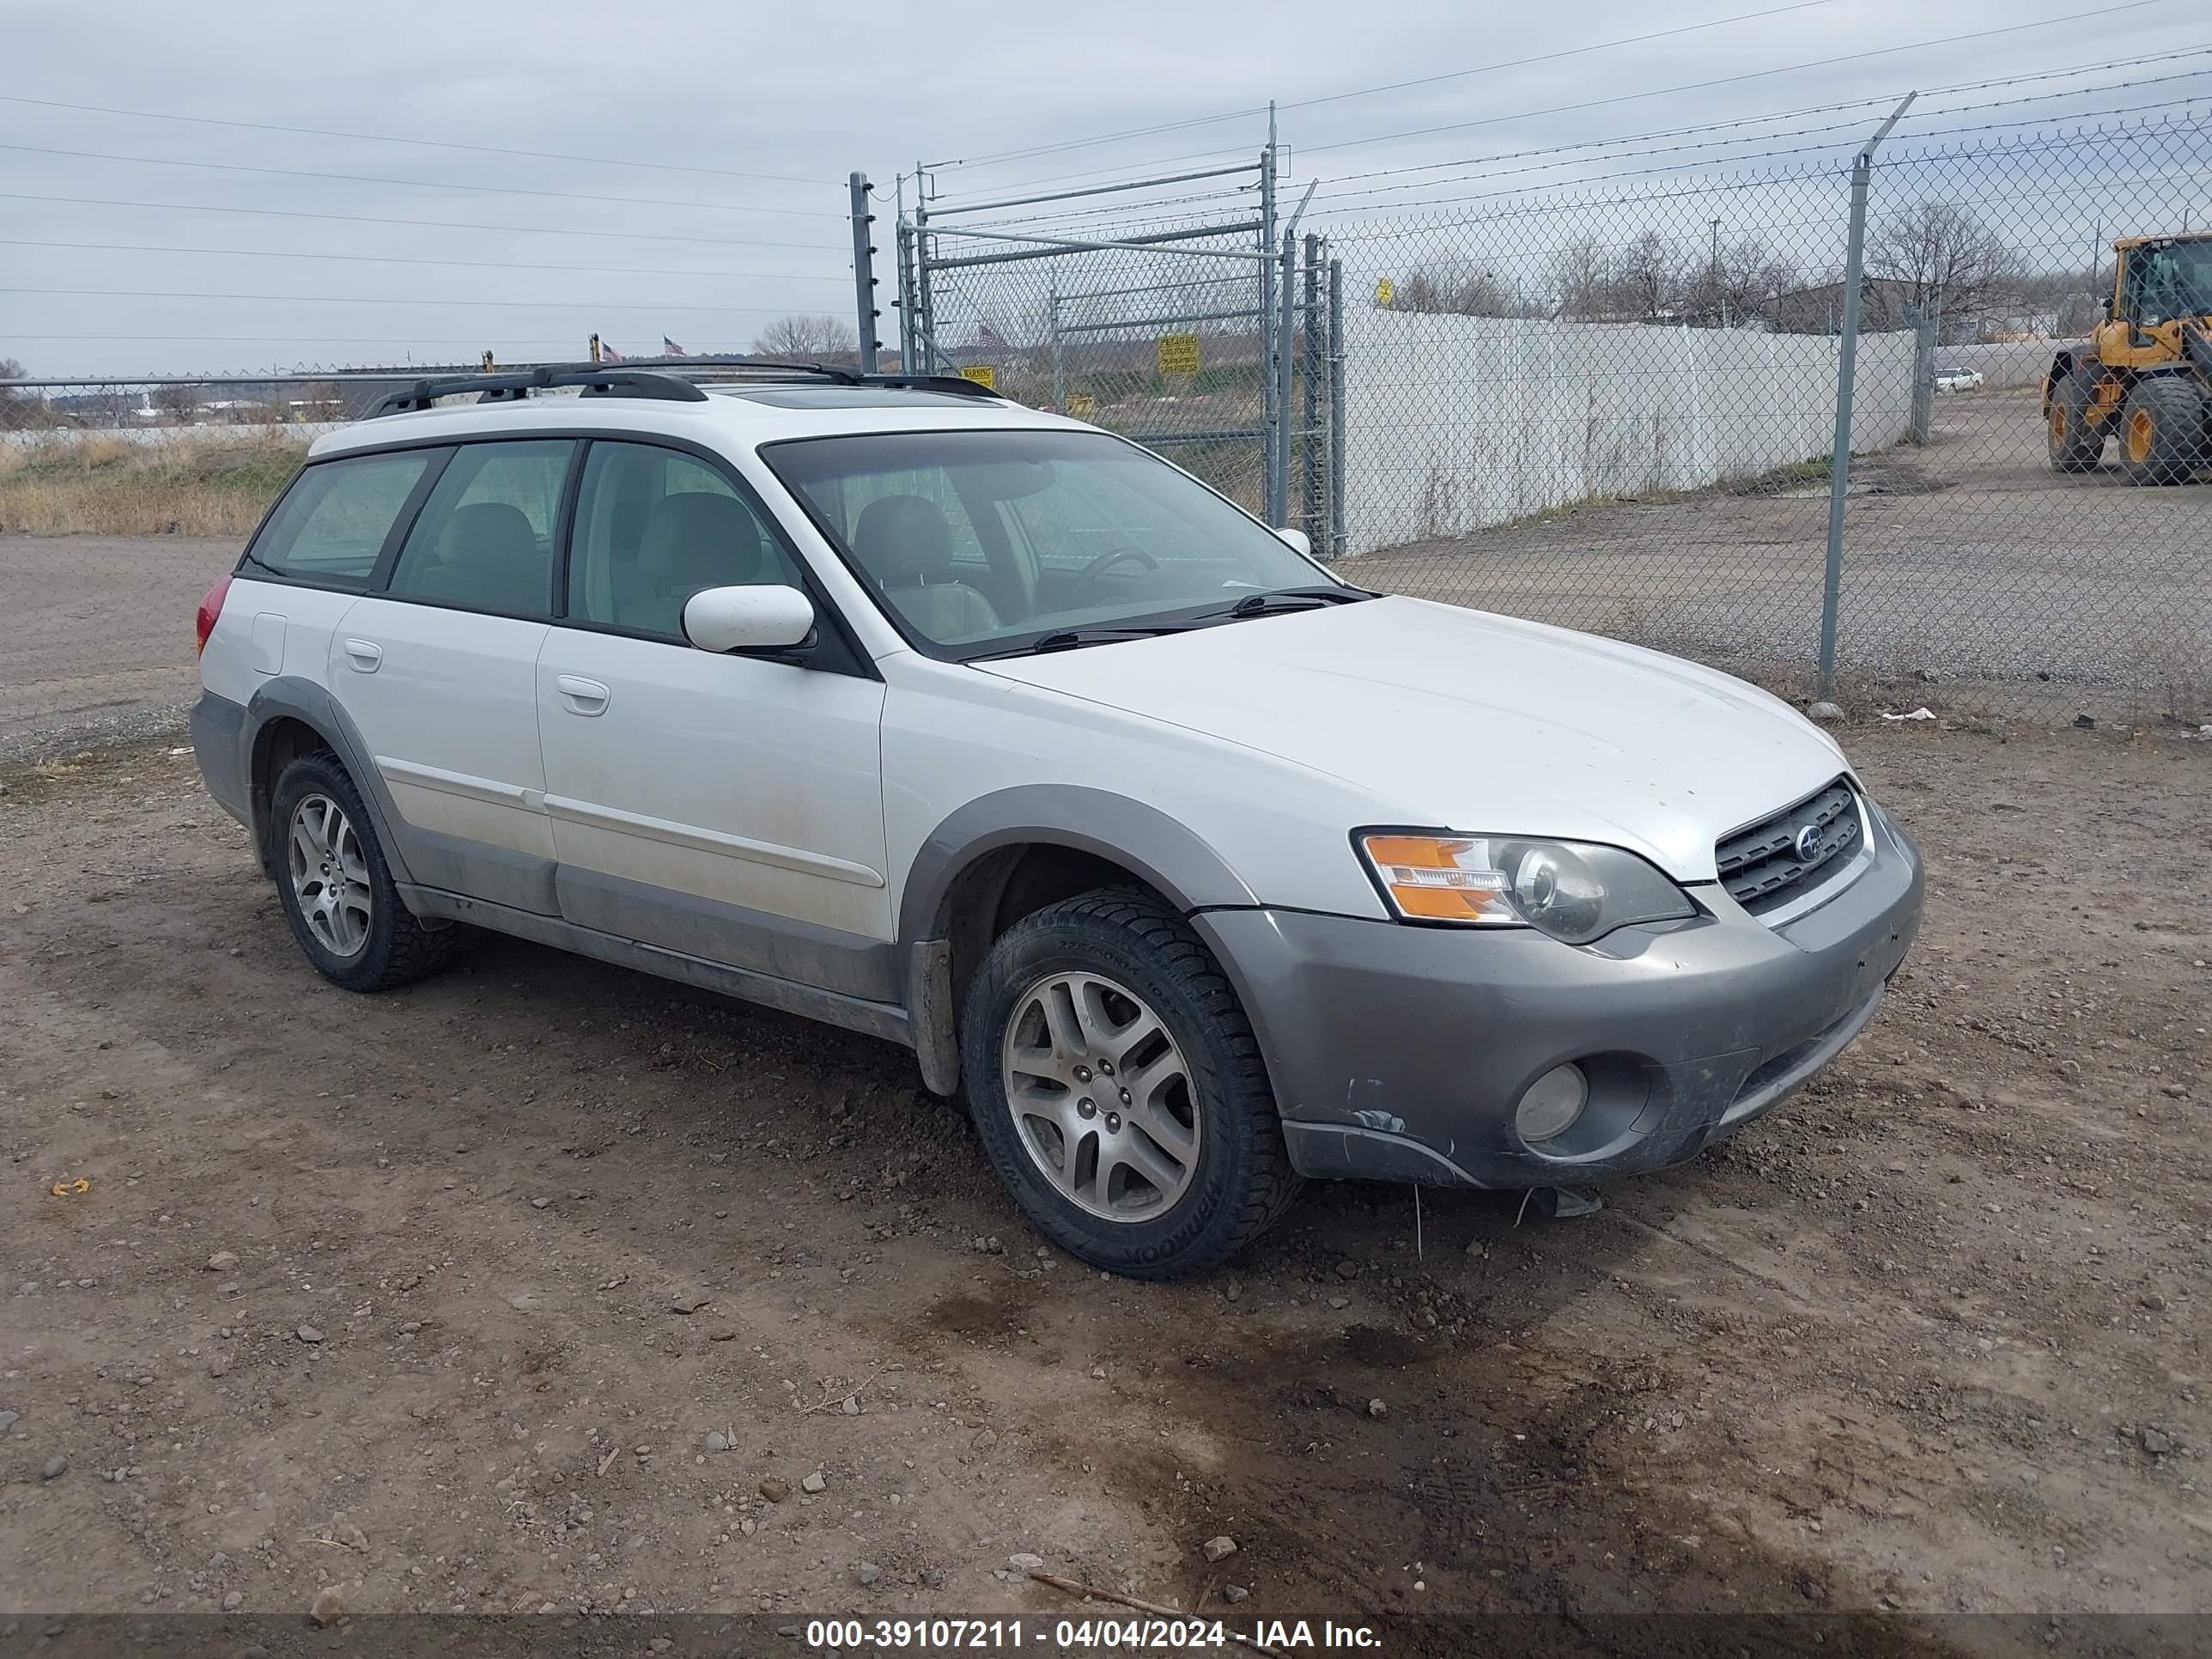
(1118, 1089)
(336, 887)
(2075, 446)
(2161, 430)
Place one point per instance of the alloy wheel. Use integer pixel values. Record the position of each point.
(1100, 1097)
(330, 875)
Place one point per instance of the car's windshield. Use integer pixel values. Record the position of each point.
(983, 542)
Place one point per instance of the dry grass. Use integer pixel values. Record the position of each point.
(99, 484)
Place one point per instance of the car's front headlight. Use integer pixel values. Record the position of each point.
(1574, 890)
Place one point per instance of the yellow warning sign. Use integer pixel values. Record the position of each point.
(1385, 291)
(1178, 353)
(983, 374)
(1082, 405)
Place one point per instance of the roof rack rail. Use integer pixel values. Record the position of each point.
(597, 379)
(668, 382)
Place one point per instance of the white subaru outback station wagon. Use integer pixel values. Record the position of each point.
(886, 701)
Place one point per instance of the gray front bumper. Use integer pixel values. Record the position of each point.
(1398, 1053)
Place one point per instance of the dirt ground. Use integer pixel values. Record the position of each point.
(545, 1285)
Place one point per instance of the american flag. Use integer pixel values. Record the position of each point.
(670, 349)
(608, 354)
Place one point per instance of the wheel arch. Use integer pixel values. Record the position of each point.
(1005, 855)
(288, 716)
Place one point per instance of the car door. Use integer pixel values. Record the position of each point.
(727, 806)
(438, 667)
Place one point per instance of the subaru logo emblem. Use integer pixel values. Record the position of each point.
(1808, 844)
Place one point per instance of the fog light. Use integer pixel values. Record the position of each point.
(1552, 1103)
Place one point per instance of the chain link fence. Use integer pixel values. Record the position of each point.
(1613, 405)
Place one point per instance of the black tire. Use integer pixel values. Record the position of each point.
(1241, 1181)
(2075, 446)
(397, 949)
(2162, 430)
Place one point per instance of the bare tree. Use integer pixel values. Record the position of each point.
(1581, 274)
(1457, 285)
(178, 402)
(806, 337)
(17, 407)
(1942, 258)
(1646, 281)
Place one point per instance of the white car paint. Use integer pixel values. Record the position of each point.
(809, 796)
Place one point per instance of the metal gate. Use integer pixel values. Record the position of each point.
(1181, 311)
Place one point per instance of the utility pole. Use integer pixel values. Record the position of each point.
(864, 272)
(1720, 293)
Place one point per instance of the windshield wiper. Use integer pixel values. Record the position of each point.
(1276, 600)
(1069, 639)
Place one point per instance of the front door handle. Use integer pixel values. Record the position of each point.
(580, 695)
(366, 655)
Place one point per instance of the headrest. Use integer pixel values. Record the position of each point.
(488, 533)
(903, 540)
(700, 539)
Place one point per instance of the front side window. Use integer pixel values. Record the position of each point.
(335, 517)
(1066, 531)
(655, 526)
(485, 539)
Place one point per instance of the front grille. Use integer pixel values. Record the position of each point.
(1762, 867)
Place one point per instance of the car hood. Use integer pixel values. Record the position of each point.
(1458, 718)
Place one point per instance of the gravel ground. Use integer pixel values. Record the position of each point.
(1975, 579)
(546, 1285)
(100, 634)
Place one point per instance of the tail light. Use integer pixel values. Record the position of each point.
(211, 609)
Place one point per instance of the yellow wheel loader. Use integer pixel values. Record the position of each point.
(2145, 377)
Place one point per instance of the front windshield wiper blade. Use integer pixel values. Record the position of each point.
(1068, 639)
(1294, 598)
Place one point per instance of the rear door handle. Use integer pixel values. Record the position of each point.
(365, 655)
(580, 695)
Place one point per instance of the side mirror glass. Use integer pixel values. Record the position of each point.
(1297, 541)
(771, 618)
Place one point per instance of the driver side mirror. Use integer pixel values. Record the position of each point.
(1297, 540)
(768, 618)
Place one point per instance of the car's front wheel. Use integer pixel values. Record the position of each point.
(1119, 1091)
(336, 887)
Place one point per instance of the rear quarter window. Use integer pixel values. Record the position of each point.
(333, 521)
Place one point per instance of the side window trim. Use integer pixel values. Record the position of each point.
(403, 524)
(564, 527)
(837, 651)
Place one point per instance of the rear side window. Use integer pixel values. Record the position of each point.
(485, 536)
(334, 520)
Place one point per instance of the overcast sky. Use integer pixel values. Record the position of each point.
(754, 113)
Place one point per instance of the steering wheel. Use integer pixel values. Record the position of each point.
(1105, 562)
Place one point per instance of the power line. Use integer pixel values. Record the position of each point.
(1920, 111)
(998, 157)
(398, 260)
(429, 143)
(379, 300)
(427, 224)
(1732, 80)
(1853, 128)
(420, 184)
(1821, 63)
